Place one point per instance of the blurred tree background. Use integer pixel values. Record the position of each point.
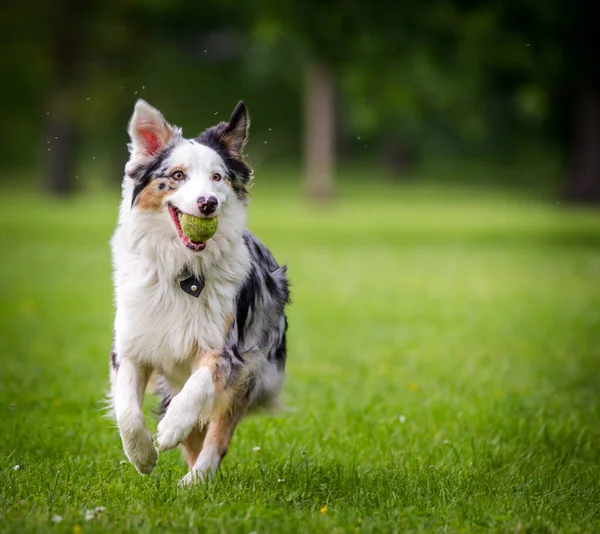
(394, 86)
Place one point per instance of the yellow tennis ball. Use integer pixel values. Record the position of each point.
(198, 229)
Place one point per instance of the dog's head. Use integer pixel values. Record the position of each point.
(169, 175)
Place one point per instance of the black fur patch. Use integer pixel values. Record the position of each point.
(246, 297)
(263, 295)
(143, 174)
(280, 354)
(114, 361)
(163, 391)
(216, 137)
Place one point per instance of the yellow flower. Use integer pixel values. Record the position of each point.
(76, 529)
(413, 387)
(324, 509)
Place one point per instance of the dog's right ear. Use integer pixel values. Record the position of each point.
(148, 130)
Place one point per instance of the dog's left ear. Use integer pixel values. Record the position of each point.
(235, 135)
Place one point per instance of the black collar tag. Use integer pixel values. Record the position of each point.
(192, 285)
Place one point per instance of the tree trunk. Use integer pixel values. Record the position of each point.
(319, 132)
(584, 179)
(62, 125)
(62, 150)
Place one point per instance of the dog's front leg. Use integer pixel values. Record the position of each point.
(185, 408)
(129, 385)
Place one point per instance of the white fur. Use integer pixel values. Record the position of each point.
(127, 398)
(184, 411)
(206, 465)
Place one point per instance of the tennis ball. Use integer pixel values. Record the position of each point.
(198, 229)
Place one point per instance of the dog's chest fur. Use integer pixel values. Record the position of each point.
(157, 322)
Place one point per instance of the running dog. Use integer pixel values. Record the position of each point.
(206, 318)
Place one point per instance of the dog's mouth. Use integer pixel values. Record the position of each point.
(176, 214)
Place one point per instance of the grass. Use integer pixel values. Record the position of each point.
(443, 371)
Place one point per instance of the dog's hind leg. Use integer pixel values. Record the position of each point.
(192, 445)
(218, 436)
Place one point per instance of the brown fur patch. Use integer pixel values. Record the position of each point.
(221, 427)
(153, 195)
(211, 360)
(192, 445)
(228, 323)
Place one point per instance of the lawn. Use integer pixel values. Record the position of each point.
(443, 372)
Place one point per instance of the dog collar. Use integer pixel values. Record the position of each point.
(192, 285)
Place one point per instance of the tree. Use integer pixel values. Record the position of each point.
(583, 84)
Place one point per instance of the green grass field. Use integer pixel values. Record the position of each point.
(443, 371)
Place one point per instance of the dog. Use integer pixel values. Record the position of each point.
(207, 319)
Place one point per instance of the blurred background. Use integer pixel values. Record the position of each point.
(401, 89)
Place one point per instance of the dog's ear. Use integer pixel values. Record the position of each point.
(148, 129)
(235, 135)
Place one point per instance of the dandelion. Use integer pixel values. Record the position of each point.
(76, 529)
(256, 449)
(413, 386)
(56, 518)
(323, 510)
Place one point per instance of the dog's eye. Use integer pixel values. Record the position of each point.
(216, 177)
(178, 175)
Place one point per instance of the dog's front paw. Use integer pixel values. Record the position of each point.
(139, 448)
(176, 425)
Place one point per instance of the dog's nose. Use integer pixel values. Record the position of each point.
(207, 205)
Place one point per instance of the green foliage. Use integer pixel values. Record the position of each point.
(442, 373)
(444, 77)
